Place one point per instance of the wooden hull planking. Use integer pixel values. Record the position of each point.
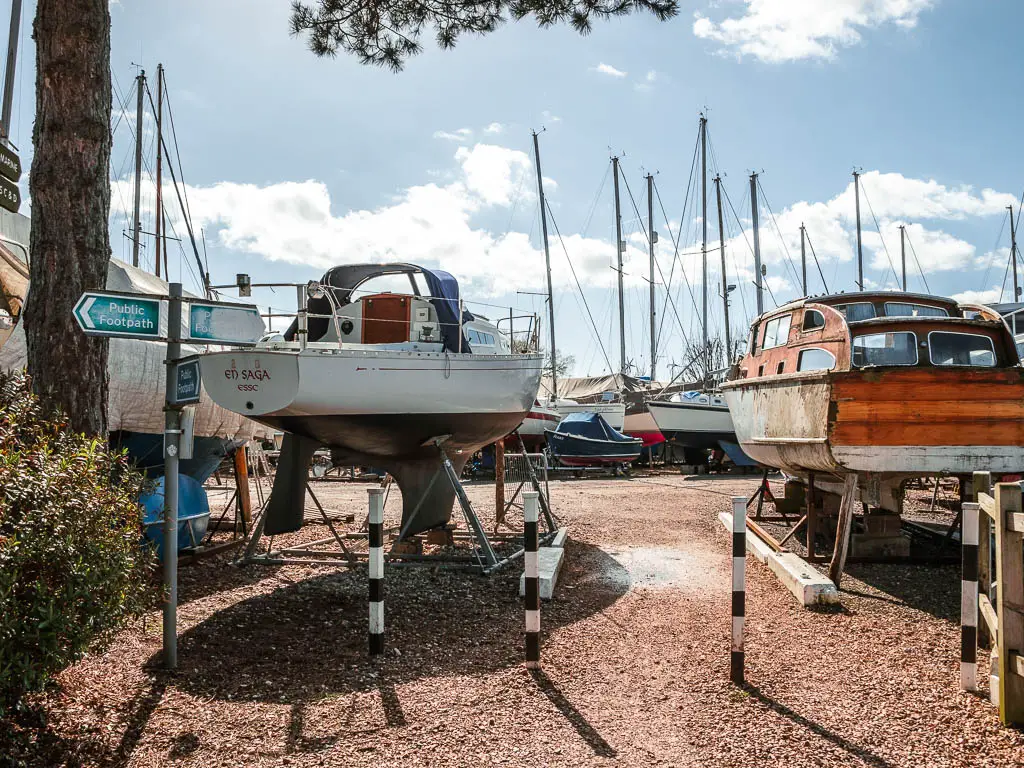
(906, 421)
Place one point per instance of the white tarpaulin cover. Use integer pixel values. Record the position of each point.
(137, 374)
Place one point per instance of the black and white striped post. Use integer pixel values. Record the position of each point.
(739, 586)
(376, 567)
(969, 599)
(532, 579)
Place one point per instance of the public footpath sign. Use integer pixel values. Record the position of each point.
(187, 386)
(124, 315)
(223, 323)
(174, 319)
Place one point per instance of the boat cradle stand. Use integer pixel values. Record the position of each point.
(484, 559)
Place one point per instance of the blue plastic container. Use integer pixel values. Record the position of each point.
(193, 514)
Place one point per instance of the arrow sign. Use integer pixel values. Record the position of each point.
(187, 387)
(222, 323)
(118, 314)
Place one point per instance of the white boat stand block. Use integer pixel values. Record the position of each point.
(808, 585)
(549, 564)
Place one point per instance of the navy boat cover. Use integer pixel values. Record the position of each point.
(591, 425)
(444, 289)
(343, 281)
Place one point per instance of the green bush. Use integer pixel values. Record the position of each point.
(72, 571)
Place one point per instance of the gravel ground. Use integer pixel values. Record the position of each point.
(274, 671)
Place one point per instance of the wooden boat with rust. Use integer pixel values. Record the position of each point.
(883, 385)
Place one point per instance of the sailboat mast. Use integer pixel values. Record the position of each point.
(547, 266)
(725, 281)
(803, 255)
(618, 254)
(1013, 253)
(159, 163)
(652, 239)
(704, 230)
(903, 254)
(12, 65)
(758, 287)
(860, 244)
(140, 87)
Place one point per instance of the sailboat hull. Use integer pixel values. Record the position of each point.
(693, 425)
(383, 408)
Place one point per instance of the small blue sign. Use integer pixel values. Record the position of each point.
(187, 382)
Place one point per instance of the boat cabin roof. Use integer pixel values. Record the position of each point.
(875, 298)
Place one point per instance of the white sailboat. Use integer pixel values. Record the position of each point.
(383, 380)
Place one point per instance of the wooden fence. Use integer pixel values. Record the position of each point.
(1001, 625)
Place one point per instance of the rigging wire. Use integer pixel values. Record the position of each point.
(576, 280)
(181, 205)
(878, 229)
(794, 273)
(995, 247)
(682, 269)
(913, 251)
(749, 246)
(816, 263)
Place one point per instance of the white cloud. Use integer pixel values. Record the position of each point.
(608, 69)
(494, 128)
(460, 135)
(432, 224)
(989, 296)
(647, 84)
(548, 116)
(787, 30)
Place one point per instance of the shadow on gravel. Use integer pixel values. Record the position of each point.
(861, 753)
(583, 727)
(934, 589)
(308, 641)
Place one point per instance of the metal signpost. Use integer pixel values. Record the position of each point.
(173, 319)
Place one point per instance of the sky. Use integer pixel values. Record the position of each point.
(294, 164)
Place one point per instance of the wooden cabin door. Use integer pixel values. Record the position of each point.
(385, 319)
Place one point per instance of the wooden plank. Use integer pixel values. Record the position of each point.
(954, 410)
(987, 504)
(843, 529)
(1017, 663)
(928, 384)
(988, 613)
(1015, 522)
(982, 484)
(934, 431)
(499, 483)
(242, 484)
(1010, 586)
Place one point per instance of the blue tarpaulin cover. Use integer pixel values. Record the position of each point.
(591, 425)
(445, 290)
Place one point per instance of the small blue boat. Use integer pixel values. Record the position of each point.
(193, 514)
(586, 440)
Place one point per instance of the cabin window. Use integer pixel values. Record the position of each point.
(861, 310)
(760, 370)
(752, 343)
(946, 348)
(892, 348)
(776, 332)
(899, 309)
(816, 360)
(813, 320)
(781, 367)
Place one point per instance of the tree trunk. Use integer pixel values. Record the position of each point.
(70, 188)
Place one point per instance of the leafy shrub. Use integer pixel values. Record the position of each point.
(72, 571)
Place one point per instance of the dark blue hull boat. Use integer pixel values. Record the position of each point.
(586, 440)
